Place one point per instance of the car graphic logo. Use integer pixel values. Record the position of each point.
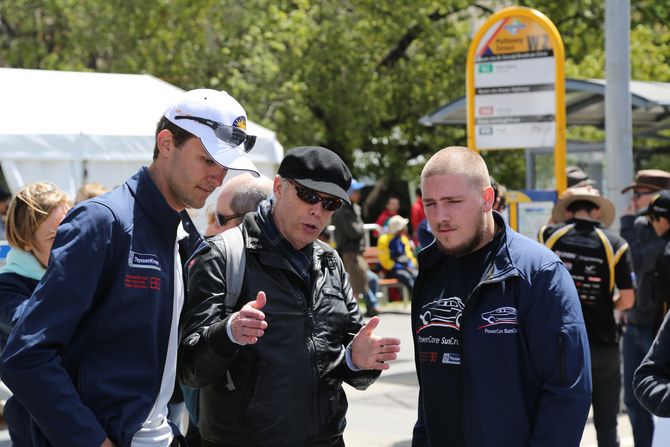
(442, 312)
(501, 315)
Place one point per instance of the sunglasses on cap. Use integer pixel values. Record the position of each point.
(309, 196)
(222, 219)
(228, 134)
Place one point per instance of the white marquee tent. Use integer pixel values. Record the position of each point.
(71, 128)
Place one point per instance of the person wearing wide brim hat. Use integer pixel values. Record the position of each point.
(601, 266)
(577, 177)
(652, 377)
(652, 179)
(397, 224)
(643, 319)
(604, 211)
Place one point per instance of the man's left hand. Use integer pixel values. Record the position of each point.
(369, 351)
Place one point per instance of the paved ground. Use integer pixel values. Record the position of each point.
(383, 416)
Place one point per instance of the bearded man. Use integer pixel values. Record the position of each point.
(501, 350)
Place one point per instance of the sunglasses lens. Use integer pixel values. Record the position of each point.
(331, 204)
(311, 197)
(249, 142)
(307, 196)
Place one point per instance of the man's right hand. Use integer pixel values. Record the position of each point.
(249, 324)
(107, 443)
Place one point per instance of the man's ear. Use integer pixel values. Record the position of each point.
(489, 198)
(165, 142)
(277, 186)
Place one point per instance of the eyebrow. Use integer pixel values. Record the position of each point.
(436, 199)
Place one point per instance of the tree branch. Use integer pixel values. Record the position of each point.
(6, 29)
(399, 50)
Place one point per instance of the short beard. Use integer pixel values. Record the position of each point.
(468, 246)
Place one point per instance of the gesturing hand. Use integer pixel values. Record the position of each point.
(369, 351)
(249, 323)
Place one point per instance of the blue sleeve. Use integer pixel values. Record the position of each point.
(32, 363)
(652, 378)
(11, 306)
(396, 248)
(559, 352)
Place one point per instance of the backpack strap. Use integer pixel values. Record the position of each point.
(235, 264)
(557, 235)
(540, 234)
(612, 258)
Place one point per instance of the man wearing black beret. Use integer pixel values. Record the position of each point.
(271, 366)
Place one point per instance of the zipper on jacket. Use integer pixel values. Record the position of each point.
(256, 383)
(311, 349)
(500, 279)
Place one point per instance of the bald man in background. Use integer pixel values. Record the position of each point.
(238, 196)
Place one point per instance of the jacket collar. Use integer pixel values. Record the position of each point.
(586, 224)
(255, 240)
(151, 200)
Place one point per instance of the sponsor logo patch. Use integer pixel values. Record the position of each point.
(142, 282)
(240, 122)
(143, 261)
(442, 312)
(451, 359)
(501, 315)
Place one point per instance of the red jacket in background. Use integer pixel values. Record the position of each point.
(417, 214)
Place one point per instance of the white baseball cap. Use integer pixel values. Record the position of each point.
(220, 122)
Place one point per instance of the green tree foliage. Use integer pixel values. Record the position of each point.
(352, 75)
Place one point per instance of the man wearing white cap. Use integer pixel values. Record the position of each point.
(597, 260)
(93, 358)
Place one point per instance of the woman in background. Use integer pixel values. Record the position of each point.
(32, 219)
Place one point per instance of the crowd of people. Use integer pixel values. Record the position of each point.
(117, 316)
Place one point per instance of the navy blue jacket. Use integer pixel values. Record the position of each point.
(652, 379)
(87, 356)
(15, 289)
(532, 388)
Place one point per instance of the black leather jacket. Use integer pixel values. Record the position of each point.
(285, 390)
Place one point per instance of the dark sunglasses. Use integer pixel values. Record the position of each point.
(638, 194)
(222, 219)
(228, 134)
(309, 196)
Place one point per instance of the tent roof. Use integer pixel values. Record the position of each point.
(585, 105)
(115, 114)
